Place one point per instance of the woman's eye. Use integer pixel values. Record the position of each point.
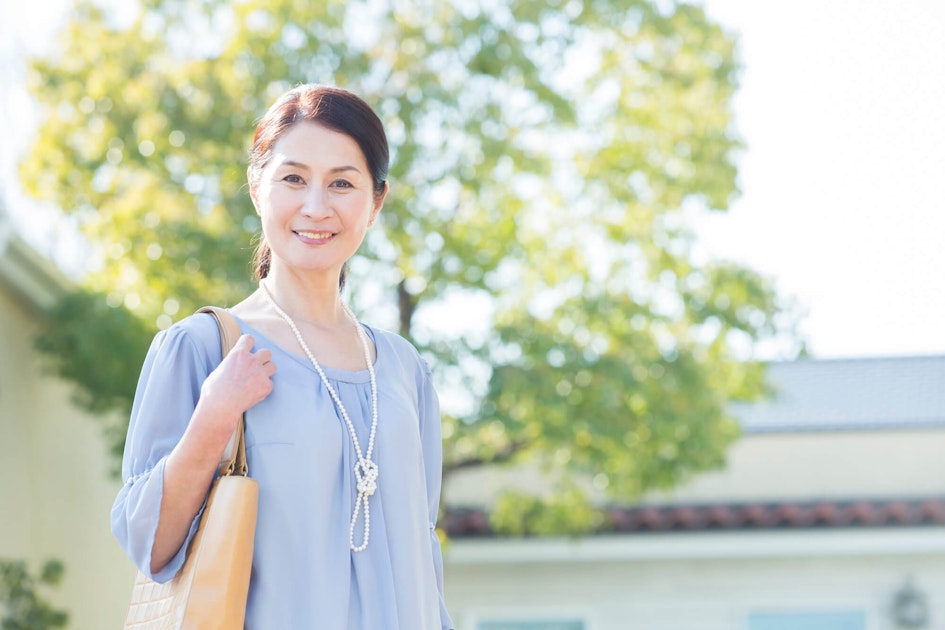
(292, 179)
(341, 183)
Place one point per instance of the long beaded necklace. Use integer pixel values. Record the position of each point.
(365, 470)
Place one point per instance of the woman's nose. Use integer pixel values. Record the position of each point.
(315, 204)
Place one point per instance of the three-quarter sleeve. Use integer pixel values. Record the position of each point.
(176, 365)
(432, 444)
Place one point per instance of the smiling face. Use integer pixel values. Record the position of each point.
(316, 198)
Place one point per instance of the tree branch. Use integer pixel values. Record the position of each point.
(502, 456)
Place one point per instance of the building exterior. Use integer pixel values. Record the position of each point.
(55, 492)
(830, 515)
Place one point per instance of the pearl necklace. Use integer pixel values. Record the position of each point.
(365, 471)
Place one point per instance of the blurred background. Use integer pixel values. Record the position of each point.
(676, 266)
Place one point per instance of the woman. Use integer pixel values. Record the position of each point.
(342, 421)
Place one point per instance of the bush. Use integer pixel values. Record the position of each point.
(20, 605)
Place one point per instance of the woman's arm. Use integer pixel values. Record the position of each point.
(432, 444)
(241, 380)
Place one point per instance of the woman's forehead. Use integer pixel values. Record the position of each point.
(315, 145)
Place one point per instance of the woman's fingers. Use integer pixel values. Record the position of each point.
(264, 355)
(244, 378)
(245, 342)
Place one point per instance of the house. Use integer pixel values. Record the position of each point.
(55, 491)
(830, 515)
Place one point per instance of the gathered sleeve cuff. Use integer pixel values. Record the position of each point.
(177, 363)
(432, 443)
(135, 516)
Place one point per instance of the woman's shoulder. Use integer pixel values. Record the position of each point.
(198, 326)
(404, 351)
(199, 332)
(393, 340)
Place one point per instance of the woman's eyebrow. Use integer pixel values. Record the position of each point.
(294, 164)
(339, 169)
(302, 165)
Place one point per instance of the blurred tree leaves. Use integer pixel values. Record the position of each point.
(91, 342)
(21, 605)
(547, 158)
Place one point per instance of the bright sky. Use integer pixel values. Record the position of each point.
(843, 182)
(843, 178)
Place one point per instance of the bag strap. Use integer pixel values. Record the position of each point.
(234, 458)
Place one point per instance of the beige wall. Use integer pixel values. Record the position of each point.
(822, 465)
(692, 581)
(776, 466)
(54, 488)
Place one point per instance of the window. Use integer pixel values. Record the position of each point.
(807, 621)
(531, 625)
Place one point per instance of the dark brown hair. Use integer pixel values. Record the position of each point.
(331, 107)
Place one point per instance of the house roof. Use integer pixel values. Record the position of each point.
(849, 394)
(26, 272)
(928, 511)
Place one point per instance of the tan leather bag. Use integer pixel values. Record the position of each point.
(211, 588)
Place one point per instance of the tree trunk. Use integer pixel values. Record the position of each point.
(406, 304)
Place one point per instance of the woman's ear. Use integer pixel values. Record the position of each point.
(379, 203)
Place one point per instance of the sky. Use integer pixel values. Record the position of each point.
(842, 179)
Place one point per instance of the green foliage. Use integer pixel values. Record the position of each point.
(546, 159)
(21, 606)
(95, 346)
(567, 512)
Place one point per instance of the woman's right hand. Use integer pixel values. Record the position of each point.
(243, 379)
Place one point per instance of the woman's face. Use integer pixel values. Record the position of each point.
(315, 199)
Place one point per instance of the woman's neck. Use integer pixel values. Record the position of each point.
(309, 299)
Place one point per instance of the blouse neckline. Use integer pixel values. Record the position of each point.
(334, 374)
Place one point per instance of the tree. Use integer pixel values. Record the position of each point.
(22, 608)
(546, 160)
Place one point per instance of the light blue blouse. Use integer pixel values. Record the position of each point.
(298, 447)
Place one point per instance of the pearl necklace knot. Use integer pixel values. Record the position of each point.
(365, 471)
